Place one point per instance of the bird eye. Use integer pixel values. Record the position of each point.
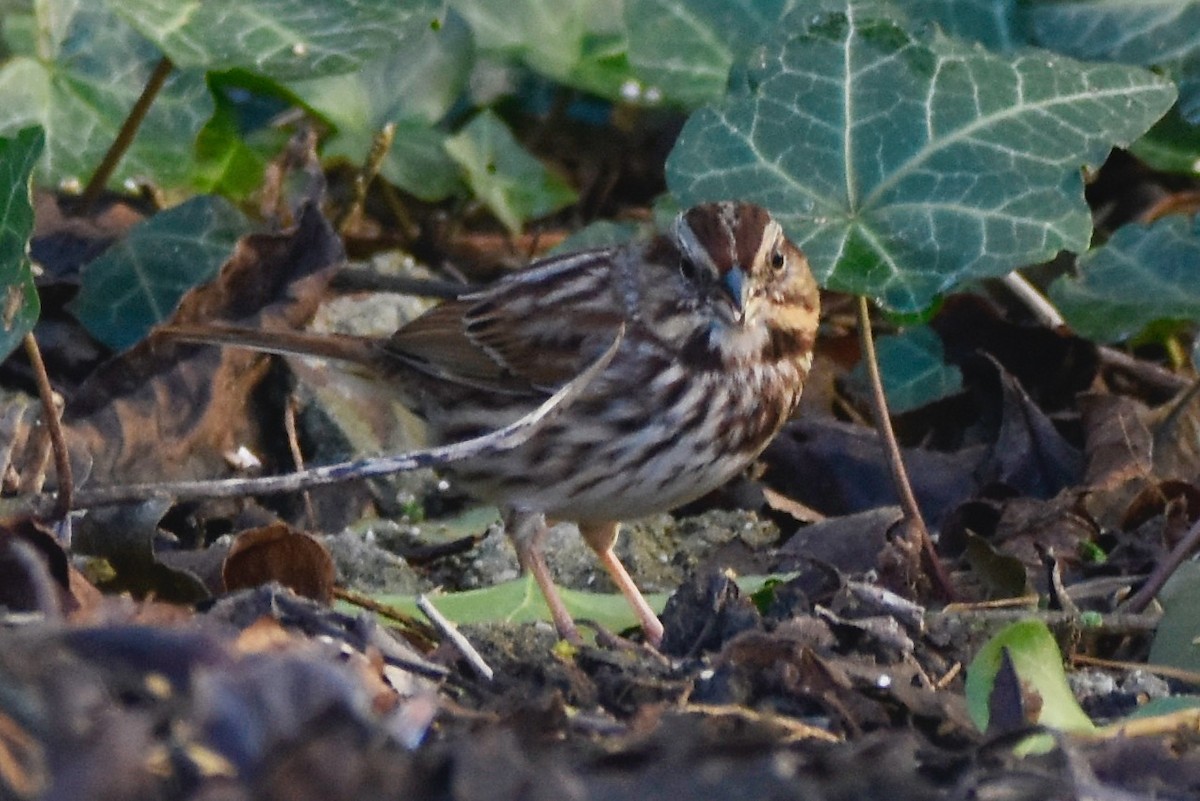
(778, 260)
(687, 268)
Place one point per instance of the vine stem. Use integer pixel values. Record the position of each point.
(891, 452)
(129, 128)
(58, 443)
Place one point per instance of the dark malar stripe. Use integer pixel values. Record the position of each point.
(786, 345)
(700, 354)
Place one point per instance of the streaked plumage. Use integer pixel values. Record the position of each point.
(719, 314)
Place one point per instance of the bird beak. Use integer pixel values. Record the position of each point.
(735, 284)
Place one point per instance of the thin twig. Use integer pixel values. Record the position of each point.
(1049, 315)
(451, 633)
(1043, 310)
(129, 128)
(62, 459)
(293, 440)
(1166, 671)
(891, 451)
(380, 145)
(1165, 568)
(1154, 375)
(413, 626)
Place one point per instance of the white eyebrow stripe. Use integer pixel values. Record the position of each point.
(770, 238)
(691, 247)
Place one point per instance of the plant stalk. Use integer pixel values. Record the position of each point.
(124, 138)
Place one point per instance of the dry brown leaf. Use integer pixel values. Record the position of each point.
(168, 411)
(282, 554)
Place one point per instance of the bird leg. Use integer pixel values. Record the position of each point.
(601, 537)
(527, 530)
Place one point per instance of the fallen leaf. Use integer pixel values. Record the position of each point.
(282, 554)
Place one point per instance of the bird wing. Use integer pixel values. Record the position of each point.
(531, 332)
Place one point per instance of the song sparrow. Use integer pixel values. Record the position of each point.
(719, 317)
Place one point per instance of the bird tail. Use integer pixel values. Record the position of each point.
(341, 347)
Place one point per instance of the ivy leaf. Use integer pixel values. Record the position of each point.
(913, 368)
(1133, 32)
(1189, 90)
(20, 306)
(684, 48)
(282, 39)
(995, 24)
(228, 159)
(1172, 145)
(514, 185)
(580, 43)
(906, 166)
(1142, 274)
(139, 280)
(1175, 637)
(1162, 33)
(413, 86)
(87, 70)
(599, 234)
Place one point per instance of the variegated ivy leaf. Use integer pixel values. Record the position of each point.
(79, 78)
(683, 49)
(282, 39)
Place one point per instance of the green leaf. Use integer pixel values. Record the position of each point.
(283, 39)
(913, 367)
(1038, 664)
(520, 601)
(90, 69)
(576, 42)
(1132, 31)
(20, 306)
(138, 281)
(993, 23)
(1157, 707)
(510, 182)
(418, 162)
(907, 166)
(1162, 33)
(1175, 639)
(226, 160)
(413, 86)
(18, 31)
(600, 234)
(1142, 274)
(684, 48)
(1189, 90)
(1172, 145)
